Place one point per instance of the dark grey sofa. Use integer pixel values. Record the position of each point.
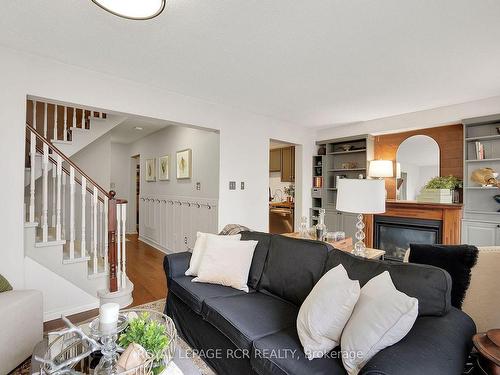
(258, 329)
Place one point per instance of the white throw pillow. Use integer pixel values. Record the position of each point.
(325, 312)
(226, 263)
(381, 318)
(199, 249)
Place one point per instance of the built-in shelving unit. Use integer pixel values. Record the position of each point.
(343, 158)
(481, 218)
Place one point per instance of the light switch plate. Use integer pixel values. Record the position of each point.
(242, 186)
(232, 185)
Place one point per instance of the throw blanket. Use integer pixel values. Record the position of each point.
(457, 260)
(232, 229)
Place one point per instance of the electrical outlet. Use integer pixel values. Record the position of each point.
(185, 240)
(242, 186)
(198, 186)
(232, 185)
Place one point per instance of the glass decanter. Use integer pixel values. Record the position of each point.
(321, 227)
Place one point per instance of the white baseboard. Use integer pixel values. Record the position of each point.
(156, 245)
(56, 314)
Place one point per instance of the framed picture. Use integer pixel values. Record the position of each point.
(150, 170)
(184, 164)
(163, 168)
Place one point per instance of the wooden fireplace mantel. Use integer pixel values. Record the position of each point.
(449, 214)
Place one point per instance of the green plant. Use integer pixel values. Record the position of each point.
(289, 190)
(447, 182)
(148, 333)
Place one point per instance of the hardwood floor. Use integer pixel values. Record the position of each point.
(144, 269)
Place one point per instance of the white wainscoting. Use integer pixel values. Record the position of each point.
(170, 223)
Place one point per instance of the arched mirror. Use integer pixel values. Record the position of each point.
(417, 162)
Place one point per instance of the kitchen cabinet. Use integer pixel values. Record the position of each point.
(479, 233)
(288, 164)
(275, 160)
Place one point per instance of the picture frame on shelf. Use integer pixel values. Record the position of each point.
(184, 164)
(164, 168)
(150, 170)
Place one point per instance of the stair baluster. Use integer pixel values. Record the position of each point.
(82, 241)
(100, 242)
(94, 229)
(71, 213)
(54, 136)
(32, 176)
(74, 118)
(54, 196)
(45, 186)
(124, 248)
(82, 125)
(58, 199)
(46, 120)
(65, 124)
(63, 208)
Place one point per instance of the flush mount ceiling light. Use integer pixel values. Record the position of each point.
(132, 9)
(138, 128)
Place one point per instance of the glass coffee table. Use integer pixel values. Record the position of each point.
(51, 343)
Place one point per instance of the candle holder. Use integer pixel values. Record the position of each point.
(107, 334)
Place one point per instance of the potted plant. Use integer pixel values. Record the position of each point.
(444, 189)
(290, 191)
(152, 335)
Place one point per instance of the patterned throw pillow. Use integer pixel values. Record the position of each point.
(4, 285)
(232, 229)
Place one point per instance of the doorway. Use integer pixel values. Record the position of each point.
(281, 187)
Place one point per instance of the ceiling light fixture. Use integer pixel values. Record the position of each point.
(139, 128)
(132, 9)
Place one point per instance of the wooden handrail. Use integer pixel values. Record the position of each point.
(67, 160)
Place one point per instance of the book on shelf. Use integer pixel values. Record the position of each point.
(479, 151)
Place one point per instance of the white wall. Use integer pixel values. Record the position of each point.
(244, 139)
(95, 160)
(452, 114)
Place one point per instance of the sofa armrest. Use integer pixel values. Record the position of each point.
(176, 265)
(21, 326)
(435, 345)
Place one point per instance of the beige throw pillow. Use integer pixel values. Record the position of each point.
(382, 317)
(226, 263)
(325, 312)
(199, 249)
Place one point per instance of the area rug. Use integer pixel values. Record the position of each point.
(188, 361)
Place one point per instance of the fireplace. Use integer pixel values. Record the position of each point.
(395, 234)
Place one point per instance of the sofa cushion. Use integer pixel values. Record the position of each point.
(259, 255)
(245, 318)
(439, 345)
(193, 294)
(293, 267)
(281, 354)
(430, 285)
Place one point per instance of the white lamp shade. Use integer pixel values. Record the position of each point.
(133, 9)
(361, 196)
(380, 168)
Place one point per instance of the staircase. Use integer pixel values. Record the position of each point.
(75, 229)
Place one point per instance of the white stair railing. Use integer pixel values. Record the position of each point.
(93, 241)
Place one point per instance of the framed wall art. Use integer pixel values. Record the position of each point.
(163, 168)
(184, 164)
(150, 170)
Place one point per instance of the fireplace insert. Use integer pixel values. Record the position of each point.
(395, 234)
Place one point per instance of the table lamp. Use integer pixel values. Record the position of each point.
(360, 196)
(381, 169)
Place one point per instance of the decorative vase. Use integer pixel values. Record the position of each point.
(322, 150)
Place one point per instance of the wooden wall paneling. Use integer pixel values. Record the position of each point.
(449, 139)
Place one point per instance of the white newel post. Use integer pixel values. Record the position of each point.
(118, 245)
(71, 212)
(32, 176)
(83, 119)
(46, 120)
(106, 263)
(94, 229)
(100, 243)
(45, 193)
(54, 196)
(54, 136)
(74, 117)
(65, 124)
(124, 247)
(84, 192)
(58, 203)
